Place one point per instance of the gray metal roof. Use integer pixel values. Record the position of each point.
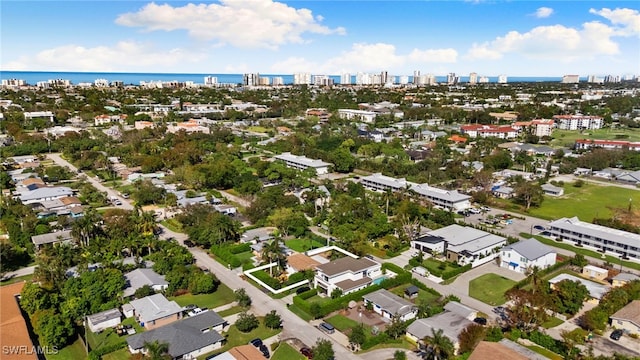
(626, 277)
(596, 290)
(104, 316)
(302, 160)
(182, 336)
(390, 302)
(140, 277)
(155, 307)
(52, 237)
(460, 309)
(460, 238)
(531, 249)
(46, 192)
(617, 236)
(451, 324)
(346, 264)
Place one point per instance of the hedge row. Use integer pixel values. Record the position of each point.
(334, 304)
(308, 294)
(547, 342)
(98, 353)
(239, 248)
(451, 273)
(224, 254)
(267, 279)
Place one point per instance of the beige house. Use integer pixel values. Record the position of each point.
(595, 273)
(627, 318)
(623, 278)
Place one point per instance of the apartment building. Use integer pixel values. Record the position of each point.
(585, 144)
(542, 127)
(604, 239)
(358, 115)
(485, 131)
(578, 122)
(303, 163)
(347, 274)
(447, 199)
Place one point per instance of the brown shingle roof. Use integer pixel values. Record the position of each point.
(13, 327)
(346, 285)
(70, 200)
(631, 313)
(492, 350)
(345, 264)
(301, 262)
(246, 352)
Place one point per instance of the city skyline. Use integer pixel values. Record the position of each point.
(530, 38)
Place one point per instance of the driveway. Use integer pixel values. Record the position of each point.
(387, 354)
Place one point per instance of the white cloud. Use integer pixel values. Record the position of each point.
(628, 19)
(543, 12)
(240, 23)
(363, 57)
(551, 42)
(124, 56)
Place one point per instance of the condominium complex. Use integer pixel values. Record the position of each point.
(601, 238)
(447, 199)
(570, 79)
(578, 122)
(303, 163)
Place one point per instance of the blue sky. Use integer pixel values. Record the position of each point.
(516, 38)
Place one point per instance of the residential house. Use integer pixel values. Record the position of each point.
(300, 262)
(596, 290)
(594, 272)
(552, 190)
(186, 339)
(390, 305)
(627, 318)
(56, 237)
(104, 320)
(346, 274)
(44, 193)
(154, 311)
(449, 322)
(303, 163)
(358, 115)
(464, 245)
(631, 178)
(14, 331)
(138, 278)
(243, 352)
(526, 254)
(258, 234)
(503, 192)
(623, 278)
(109, 119)
(604, 239)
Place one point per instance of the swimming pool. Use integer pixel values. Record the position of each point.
(379, 280)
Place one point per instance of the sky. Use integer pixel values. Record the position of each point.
(489, 37)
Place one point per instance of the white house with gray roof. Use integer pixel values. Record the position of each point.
(154, 311)
(601, 238)
(526, 254)
(461, 244)
(390, 305)
(596, 290)
(43, 194)
(104, 320)
(62, 237)
(138, 278)
(187, 339)
(449, 322)
(446, 199)
(303, 162)
(347, 274)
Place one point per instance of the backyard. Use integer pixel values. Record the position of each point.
(109, 337)
(71, 352)
(490, 288)
(235, 337)
(223, 295)
(304, 244)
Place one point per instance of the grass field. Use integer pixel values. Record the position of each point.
(301, 313)
(109, 337)
(16, 279)
(490, 288)
(122, 354)
(544, 352)
(172, 224)
(286, 352)
(566, 137)
(585, 202)
(302, 245)
(75, 351)
(223, 295)
(342, 323)
(422, 295)
(552, 322)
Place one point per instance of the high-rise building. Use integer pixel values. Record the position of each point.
(473, 78)
(364, 79)
(403, 79)
(612, 79)
(570, 79)
(322, 80)
(502, 79)
(452, 79)
(210, 80)
(251, 79)
(384, 77)
(277, 81)
(416, 76)
(345, 79)
(13, 82)
(483, 80)
(264, 80)
(595, 79)
(302, 79)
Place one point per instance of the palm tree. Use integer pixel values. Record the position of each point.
(440, 345)
(534, 272)
(85, 228)
(146, 223)
(273, 252)
(157, 350)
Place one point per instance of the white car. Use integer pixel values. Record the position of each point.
(475, 211)
(196, 311)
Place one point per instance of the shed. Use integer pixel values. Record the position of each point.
(104, 320)
(411, 291)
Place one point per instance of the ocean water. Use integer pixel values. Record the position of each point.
(33, 77)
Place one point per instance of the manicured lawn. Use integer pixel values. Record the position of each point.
(544, 352)
(223, 295)
(301, 313)
(552, 322)
(230, 311)
(613, 260)
(341, 322)
(319, 299)
(74, 351)
(565, 137)
(122, 354)
(437, 266)
(286, 352)
(16, 279)
(172, 224)
(235, 337)
(422, 295)
(109, 336)
(490, 288)
(585, 202)
(302, 245)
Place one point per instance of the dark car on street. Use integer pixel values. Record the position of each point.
(306, 352)
(189, 243)
(263, 349)
(480, 321)
(616, 334)
(257, 342)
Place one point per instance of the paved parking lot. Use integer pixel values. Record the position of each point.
(515, 228)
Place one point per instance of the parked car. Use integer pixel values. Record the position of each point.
(190, 307)
(306, 352)
(475, 211)
(257, 342)
(300, 290)
(539, 227)
(196, 311)
(189, 243)
(264, 350)
(326, 327)
(480, 321)
(485, 208)
(616, 334)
